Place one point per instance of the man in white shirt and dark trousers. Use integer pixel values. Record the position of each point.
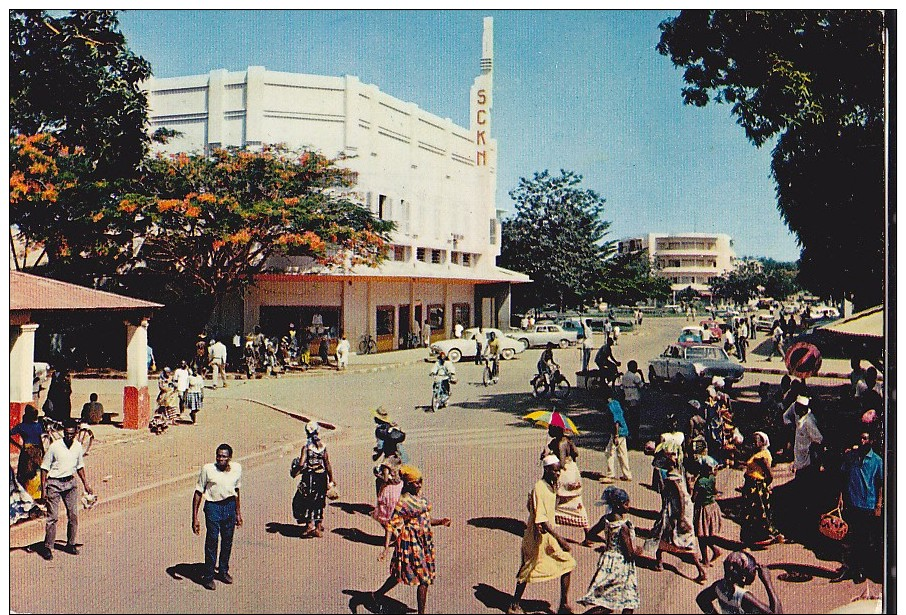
(62, 461)
(807, 470)
(218, 354)
(218, 485)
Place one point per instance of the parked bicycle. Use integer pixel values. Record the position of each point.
(491, 374)
(53, 431)
(367, 345)
(554, 385)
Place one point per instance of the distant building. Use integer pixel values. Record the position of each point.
(685, 259)
(435, 179)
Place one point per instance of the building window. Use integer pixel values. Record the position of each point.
(383, 207)
(437, 257)
(493, 232)
(399, 253)
(436, 317)
(386, 320)
(673, 263)
(454, 258)
(420, 255)
(461, 314)
(466, 259)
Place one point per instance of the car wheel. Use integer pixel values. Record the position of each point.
(507, 354)
(525, 343)
(454, 355)
(564, 343)
(678, 381)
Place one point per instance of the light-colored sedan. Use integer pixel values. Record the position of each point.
(540, 335)
(464, 346)
(693, 365)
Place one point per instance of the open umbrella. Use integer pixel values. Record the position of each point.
(546, 418)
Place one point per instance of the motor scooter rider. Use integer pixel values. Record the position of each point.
(605, 360)
(445, 370)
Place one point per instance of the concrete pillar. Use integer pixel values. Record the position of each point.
(216, 89)
(448, 311)
(21, 369)
(136, 400)
(254, 105)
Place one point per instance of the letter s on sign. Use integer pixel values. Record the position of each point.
(482, 97)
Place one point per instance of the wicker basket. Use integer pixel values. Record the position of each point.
(832, 525)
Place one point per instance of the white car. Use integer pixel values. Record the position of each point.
(464, 346)
(541, 334)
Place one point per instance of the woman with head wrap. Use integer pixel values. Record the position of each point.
(615, 584)
(570, 506)
(316, 478)
(671, 441)
(757, 527)
(740, 570)
(409, 530)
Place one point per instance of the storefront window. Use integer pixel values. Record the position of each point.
(386, 320)
(436, 317)
(461, 312)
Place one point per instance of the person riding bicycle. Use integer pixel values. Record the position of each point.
(546, 364)
(606, 362)
(492, 353)
(445, 370)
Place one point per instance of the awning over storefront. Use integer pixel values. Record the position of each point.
(868, 323)
(458, 274)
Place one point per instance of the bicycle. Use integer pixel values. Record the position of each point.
(491, 374)
(440, 397)
(53, 431)
(555, 385)
(367, 345)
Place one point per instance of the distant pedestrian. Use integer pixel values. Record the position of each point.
(201, 359)
(218, 485)
(457, 330)
(632, 383)
(194, 395)
(616, 446)
(93, 410)
(62, 461)
(776, 342)
(410, 532)
(58, 404)
(615, 584)
(218, 363)
(740, 570)
(237, 352)
(480, 342)
(427, 333)
(324, 351)
(545, 554)
(168, 401)
(586, 347)
(523, 324)
(181, 376)
(343, 352)
(152, 366)
(742, 340)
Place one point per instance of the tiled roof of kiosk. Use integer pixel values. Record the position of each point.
(31, 292)
(868, 323)
(418, 269)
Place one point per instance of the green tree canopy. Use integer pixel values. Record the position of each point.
(557, 237)
(628, 278)
(814, 81)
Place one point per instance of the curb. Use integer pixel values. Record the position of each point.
(784, 372)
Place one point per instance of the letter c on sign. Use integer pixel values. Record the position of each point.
(482, 97)
(479, 117)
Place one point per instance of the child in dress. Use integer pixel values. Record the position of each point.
(707, 511)
(740, 570)
(615, 585)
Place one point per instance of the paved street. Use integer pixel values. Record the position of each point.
(479, 460)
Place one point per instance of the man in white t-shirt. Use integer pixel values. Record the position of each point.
(62, 461)
(218, 485)
(457, 330)
(181, 376)
(218, 356)
(631, 383)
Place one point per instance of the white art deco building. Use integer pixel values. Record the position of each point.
(435, 179)
(685, 259)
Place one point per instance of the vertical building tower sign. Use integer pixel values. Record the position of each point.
(481, 97)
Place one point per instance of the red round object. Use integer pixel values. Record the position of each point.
(803, 360)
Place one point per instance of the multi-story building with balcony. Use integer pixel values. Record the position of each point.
(435, 179)
(685, 259)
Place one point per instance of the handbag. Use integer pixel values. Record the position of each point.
(332, 493)
(294, 468)
(832, 524)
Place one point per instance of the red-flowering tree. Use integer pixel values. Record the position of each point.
(208, 223)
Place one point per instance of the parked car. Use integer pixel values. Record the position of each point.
(691, 336)
(764, 323)
(817, 312)
(693, 365)
(673, 308)
(541, 334)
(573, 324)
(458, 348)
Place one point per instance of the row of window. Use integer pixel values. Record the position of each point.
(434, 318)
(686, 245)
(401, 213)
(434, 256)
(675, 262)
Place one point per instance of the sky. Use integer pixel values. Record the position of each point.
(583, 91)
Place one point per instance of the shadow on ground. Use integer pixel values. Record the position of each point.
(495, 599)
(192, 572)
(358, 599)
(356, 535)
(287, 530)
(350, 508)
(507, 524)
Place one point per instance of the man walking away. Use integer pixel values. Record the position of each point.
(218, 485)
(742, 340)
(616, 448)
(776, 342)
(218, 363)
(62, 461)
(631, 383)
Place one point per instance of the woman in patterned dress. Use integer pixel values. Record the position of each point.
(615, 584)
(317, 476)
(757, 527)
(409, 529)
(570, 506)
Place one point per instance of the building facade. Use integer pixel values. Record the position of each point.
(436, 180)
(685, 259)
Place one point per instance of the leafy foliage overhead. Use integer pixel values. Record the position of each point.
(814, 81)
(557, 237)
(211, 222)
(628, 278)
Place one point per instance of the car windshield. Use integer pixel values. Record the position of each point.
(706, 352)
